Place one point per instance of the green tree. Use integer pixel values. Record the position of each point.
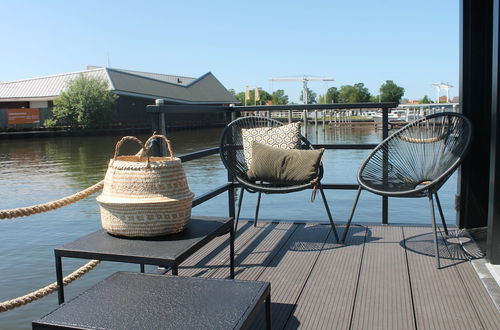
(354, 94)
(425, 100)
(86, 102)
(240, 97)
(279, 97)
(311, 96)
(390, 92)
(332, 95)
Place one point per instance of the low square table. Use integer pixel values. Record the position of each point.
(146, 301)
(163, 251)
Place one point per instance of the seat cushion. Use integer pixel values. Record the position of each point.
(284, 137)
(288, 166)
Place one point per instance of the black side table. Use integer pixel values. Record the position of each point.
(164, 251)
(146, 301)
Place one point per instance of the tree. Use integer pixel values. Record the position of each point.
(354, 94)
(390, 92)
(425, 100)
(86, 102)
(278, 97)
(240, 97)
(332, 95)
(311, 96)
(264, 97)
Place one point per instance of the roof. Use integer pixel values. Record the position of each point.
(42, 88)
(203, 90)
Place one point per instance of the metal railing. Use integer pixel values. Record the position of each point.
(159, 110)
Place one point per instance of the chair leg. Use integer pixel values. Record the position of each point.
(434, 228)
(351, 216)
(328, 212)
(441, 214)
(240, 201)
(257, 210)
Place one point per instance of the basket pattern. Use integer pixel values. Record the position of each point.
(145, 196)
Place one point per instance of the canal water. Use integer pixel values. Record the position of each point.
(35, 171)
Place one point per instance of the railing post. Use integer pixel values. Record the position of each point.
(304, 114)
(385, 134)
(230, 116)
(158, 127)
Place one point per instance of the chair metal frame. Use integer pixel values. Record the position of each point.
(231, 153)
(431, 187)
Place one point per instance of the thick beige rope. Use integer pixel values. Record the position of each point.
(45, 291)
(420, 140)
(39, 208)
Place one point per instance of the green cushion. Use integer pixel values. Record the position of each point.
(276, 165)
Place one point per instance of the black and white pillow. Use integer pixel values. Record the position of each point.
(284, 137)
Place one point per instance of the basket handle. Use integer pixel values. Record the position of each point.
(125, 138)
(160, 136)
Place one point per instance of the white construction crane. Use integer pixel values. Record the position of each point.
(304, 80)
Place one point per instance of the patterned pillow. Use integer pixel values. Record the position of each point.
(284, 137)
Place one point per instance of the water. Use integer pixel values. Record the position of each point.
(35, 171)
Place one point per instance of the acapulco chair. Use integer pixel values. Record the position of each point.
(416, 161)
(233, 158)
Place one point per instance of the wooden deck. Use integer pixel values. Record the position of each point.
(384, 278)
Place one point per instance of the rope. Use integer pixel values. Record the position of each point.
(39, 208)
(419, 140)
(45, 291)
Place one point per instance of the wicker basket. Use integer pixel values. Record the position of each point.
(145, 196)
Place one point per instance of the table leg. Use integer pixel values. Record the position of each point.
(231, 251)
(142, 268)
(59, 275)
(175, 271)
(268, 312)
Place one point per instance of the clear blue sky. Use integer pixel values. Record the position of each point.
(414, 43)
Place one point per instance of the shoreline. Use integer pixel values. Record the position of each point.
(44, 133)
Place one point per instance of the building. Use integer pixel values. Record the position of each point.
(28, 101)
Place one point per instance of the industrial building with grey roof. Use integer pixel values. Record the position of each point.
(135, 90)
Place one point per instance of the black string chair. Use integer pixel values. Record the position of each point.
(232, 155)
(416, 161)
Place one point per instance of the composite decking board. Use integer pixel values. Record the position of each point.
(290, 269)
(215, 255)
(252, 258)
(308, 290)
(328, 297)
(440, 299)
(383, 299)
(484, 306)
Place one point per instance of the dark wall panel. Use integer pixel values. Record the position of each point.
(475, 93)
(493, 239)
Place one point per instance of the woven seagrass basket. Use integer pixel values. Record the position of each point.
(145, 196)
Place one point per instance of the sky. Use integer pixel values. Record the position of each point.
(243, 43)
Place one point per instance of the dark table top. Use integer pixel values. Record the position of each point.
(145, 301)
(162, 251)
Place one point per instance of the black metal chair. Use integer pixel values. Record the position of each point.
(416, 161)
(233, 158)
